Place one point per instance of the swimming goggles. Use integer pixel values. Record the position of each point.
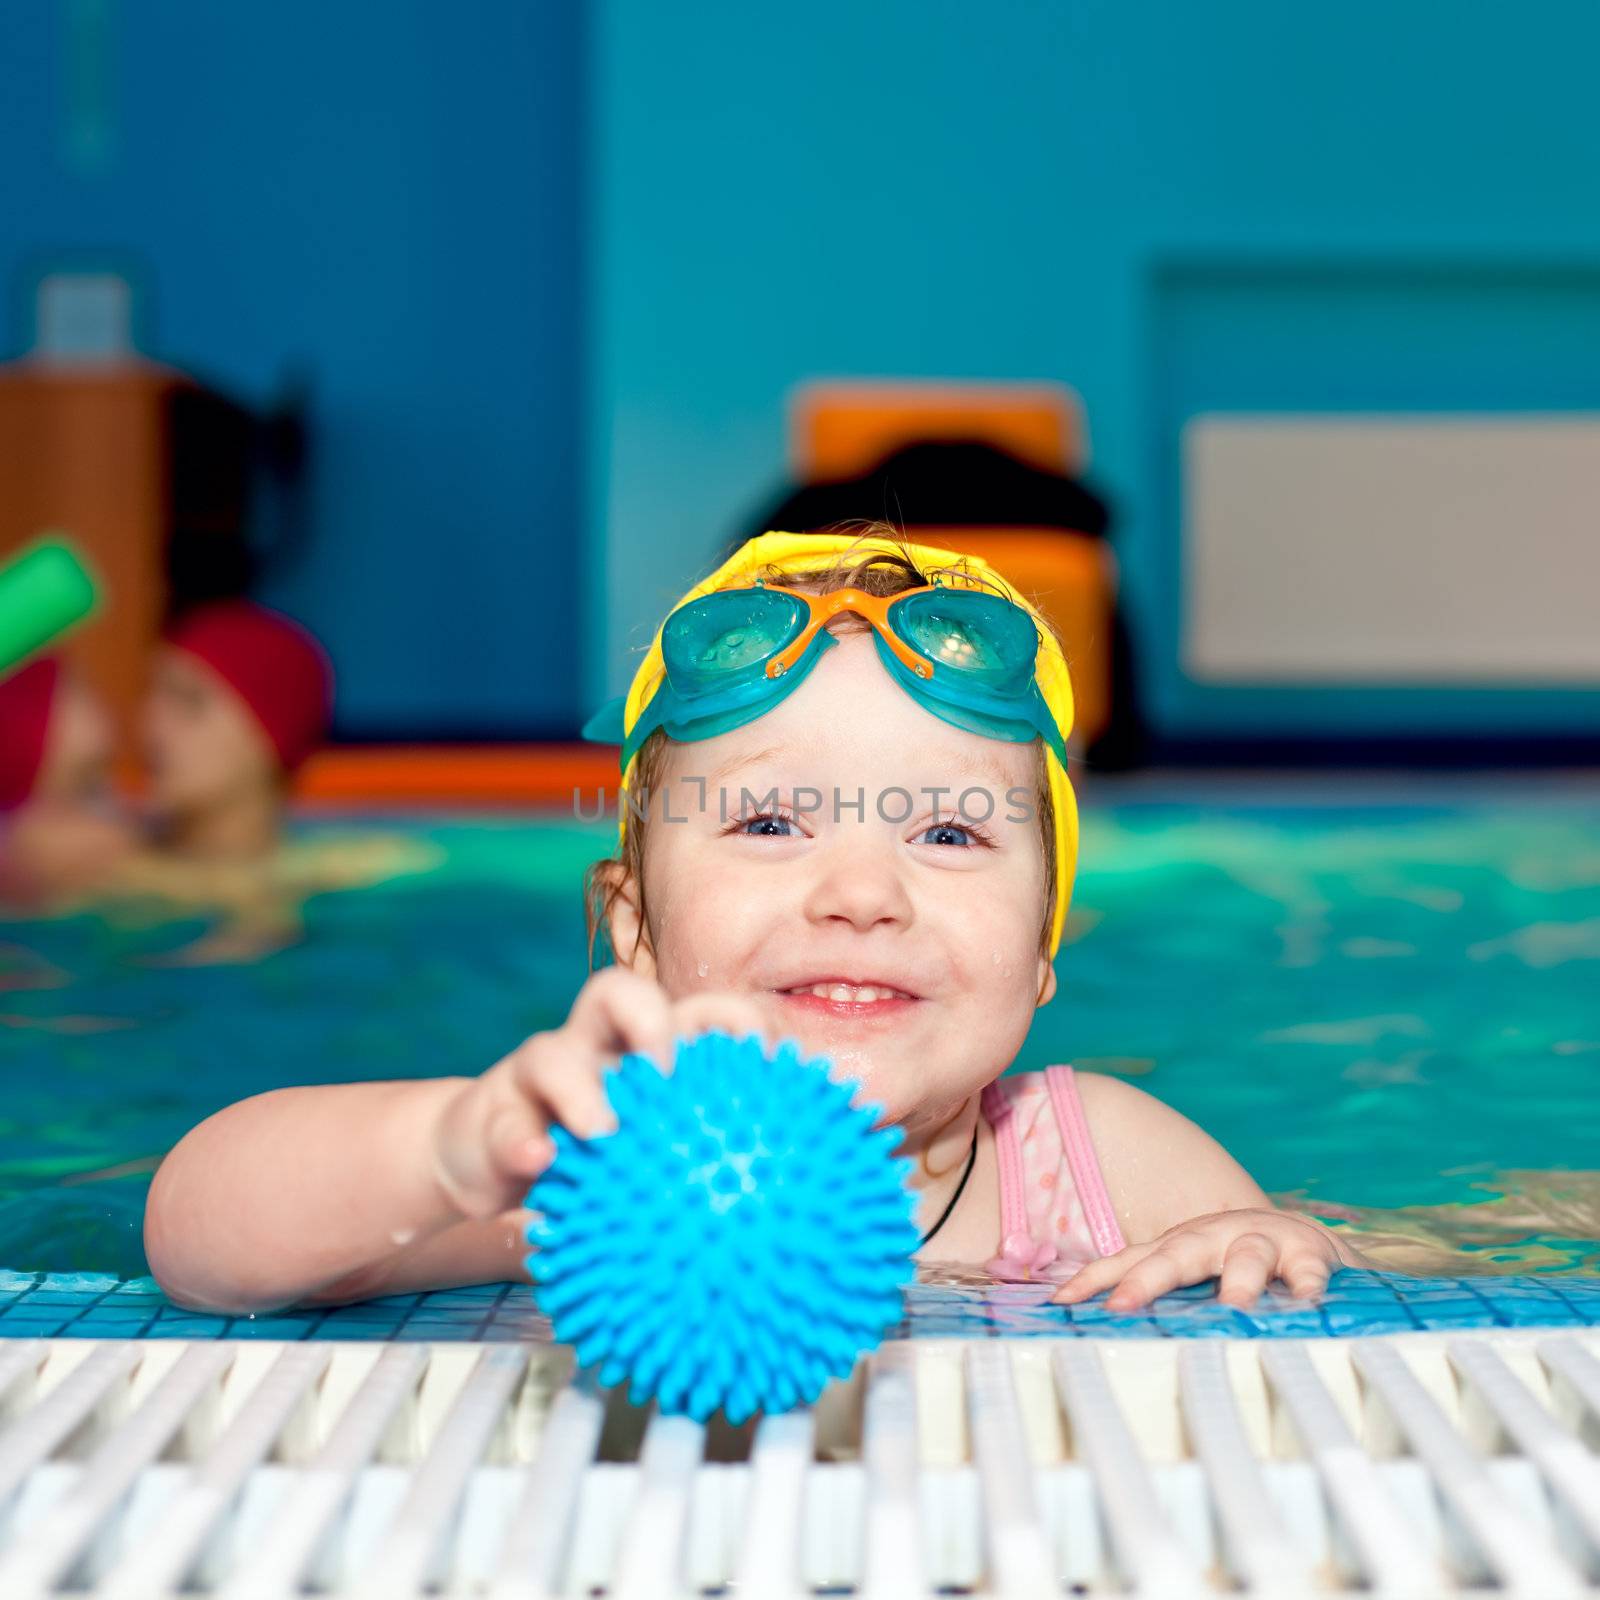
(965, 654)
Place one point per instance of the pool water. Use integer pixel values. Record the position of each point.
(1383, 1001)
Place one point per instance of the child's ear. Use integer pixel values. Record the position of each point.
(1047, 981)
(626, 926)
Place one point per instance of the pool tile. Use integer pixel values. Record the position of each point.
(1306, 1324)
(1527, 1311)
(270, 1327)
(1464, 1312)
(118, 1315)
(1345, 1321)
(15, 1326)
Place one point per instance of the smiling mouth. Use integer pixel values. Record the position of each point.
(843, 993)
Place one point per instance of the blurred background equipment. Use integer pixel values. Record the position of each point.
(150, 473)
(989, 470)
(43, 592)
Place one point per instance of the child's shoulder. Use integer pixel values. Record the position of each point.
(1072, 1093)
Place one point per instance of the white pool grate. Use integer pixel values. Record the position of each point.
(1409, 1466)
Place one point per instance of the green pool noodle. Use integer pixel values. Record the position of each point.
(43, 592)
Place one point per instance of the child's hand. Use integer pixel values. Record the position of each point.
(1245, 1249)
(492, 1139)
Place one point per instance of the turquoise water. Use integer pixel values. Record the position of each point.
(1384, 1005)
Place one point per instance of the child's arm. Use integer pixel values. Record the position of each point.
(1190, 1211)
(343, 1191)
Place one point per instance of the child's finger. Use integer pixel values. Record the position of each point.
(1179, 1260)
(518, 1143)
(1247, 1267)
(558, 1075)
(1305, 1273)
(1089, 1280)
(726, 1013)
(618, 1011)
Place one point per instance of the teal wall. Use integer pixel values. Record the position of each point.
(553, 269)
(1172, 207)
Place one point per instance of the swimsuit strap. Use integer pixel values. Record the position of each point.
(1057, 1159)
(1082, 1161)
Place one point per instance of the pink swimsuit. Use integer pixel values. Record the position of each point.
(1055, 1214)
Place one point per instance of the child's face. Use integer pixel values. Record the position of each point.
(775, 903)
(202, 745)
(80, 743)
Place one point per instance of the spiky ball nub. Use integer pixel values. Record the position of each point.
(741, 1238)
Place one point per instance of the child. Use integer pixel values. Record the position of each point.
(854, 828)
(240, 696)
(59, 834)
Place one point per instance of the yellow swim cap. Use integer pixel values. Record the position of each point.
(799, 553)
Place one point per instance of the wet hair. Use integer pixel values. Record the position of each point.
(876, 572)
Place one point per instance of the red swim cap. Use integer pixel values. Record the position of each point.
(271, 663)
(25, 700)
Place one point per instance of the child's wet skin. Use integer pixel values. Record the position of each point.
(908, 950)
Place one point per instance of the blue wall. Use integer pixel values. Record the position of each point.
(388, 197)
(1141, 199)
(554, 268)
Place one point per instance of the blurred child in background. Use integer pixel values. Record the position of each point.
(238, 699)
(60, 832)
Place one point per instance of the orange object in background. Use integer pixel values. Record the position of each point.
(465, 775)
(82, 451)
(841, 427)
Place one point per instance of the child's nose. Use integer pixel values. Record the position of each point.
(858, 885)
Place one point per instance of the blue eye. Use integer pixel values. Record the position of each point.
(945, 830)
(766, 827)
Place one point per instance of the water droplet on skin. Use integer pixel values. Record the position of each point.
(703, 968)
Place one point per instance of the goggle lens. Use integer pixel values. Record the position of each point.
(980, 636)
(726, 637)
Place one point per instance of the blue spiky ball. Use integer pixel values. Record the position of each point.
(741, 1238)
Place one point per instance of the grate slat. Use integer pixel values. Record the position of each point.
(1523, 1562)
(650, 1563)
(1253, 1534)
(1571, 1472)
(1146, 1547)
(542, 1519)
(410, 1545)
(158, 1563)
(31, 1437)
(321, 1491)
(770, 1554)
(47, 1549)
(892, 1559)
(1019, 1554)
(20, 1359)
(1388, 1551)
